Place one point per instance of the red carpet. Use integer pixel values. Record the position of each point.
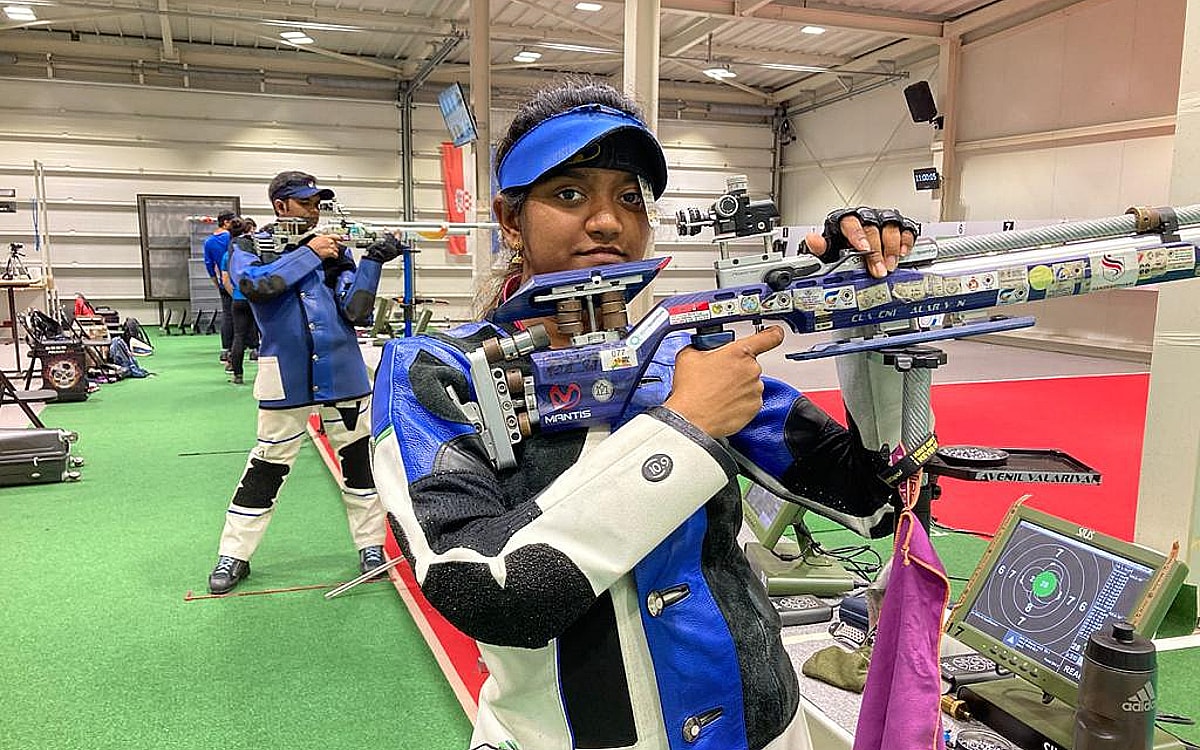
(1097, 420)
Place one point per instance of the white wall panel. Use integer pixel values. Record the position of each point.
(861, 151)
(103, 145)
(1108, 66)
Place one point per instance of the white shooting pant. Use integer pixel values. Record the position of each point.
(281, 433)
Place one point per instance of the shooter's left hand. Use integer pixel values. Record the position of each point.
(883, 234)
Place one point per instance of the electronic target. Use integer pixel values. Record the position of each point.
(1048, 592)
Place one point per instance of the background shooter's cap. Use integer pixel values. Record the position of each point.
(591, 135)
(296, 185)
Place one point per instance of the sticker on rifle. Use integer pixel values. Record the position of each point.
(1181, 259)
(1041, 277)
(1013, 296)
(602, 390)
(778, 303)
(909, 291)
(823, 323)
(723, 308)
(951, 286)
(691, 312)
(750, 304)
(1063, 289)
(1153, 262)
(935, 286)
(1013, 276)
(839, 298)
(618, 358)
(1068, 272)
(808, 299)
(1114, 270)
(870, 297)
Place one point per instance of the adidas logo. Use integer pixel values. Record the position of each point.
(1141, 701)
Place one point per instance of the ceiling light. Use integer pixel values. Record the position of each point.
(577, 48)
(719, 74)
(813, 30)
(20, 13)
(292, 34)
(590, 7)
(795, 68)
(527, 56)
(301, 40)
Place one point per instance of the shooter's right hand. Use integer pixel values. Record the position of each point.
(324, 245)
(720, 390)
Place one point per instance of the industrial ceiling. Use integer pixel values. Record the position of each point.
(750, 53)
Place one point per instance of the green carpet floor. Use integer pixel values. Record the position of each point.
(99, 649)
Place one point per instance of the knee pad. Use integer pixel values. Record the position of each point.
(260, 484)
(356, 464)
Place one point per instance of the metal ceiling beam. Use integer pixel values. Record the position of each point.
(795, 15)
(168, 44)
(696, 32)
(564, 18)
(904, 54)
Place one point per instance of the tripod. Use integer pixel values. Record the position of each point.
(14, 267)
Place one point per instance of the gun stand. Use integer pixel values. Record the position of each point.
(796, 567)
(917, 364)
(15, 267)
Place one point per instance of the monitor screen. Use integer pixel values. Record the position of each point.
(768, 515)
(1045, 585)
(457, 115)
(1049, 593)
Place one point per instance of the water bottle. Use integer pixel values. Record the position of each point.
(1118, 692)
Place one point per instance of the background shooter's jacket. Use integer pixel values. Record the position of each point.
(306, 310)
(602, 576)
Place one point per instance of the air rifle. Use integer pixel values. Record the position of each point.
(290, 233)
(940, 292)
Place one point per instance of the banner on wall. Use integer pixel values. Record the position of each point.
(458, 199)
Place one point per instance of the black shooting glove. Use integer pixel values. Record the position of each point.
(870, 217)
(386, 248)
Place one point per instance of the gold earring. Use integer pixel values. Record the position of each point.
(517, 247)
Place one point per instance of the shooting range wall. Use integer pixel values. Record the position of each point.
(102, 144)
(1067, 116)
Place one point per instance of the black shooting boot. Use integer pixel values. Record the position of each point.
(370, 558)
(229, 573)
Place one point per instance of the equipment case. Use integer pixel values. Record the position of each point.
(36, 456)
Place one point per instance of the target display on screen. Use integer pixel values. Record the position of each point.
(1047, 593)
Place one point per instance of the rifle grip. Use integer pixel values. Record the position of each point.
(711, 337)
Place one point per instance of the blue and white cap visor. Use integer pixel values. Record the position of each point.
(591, 135)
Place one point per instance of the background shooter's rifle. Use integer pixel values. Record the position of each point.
(290, 233)
(591, 382)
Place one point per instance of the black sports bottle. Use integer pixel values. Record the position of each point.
(1118, 692)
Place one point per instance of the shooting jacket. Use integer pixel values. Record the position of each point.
(306, 309)
(602, 577)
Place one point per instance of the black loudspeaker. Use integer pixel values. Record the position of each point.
(920, 102)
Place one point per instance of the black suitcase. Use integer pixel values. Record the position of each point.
(37, 456)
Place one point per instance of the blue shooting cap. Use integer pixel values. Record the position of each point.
(591, 135)
(296, 185)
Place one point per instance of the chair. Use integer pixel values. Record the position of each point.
(10, 394)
